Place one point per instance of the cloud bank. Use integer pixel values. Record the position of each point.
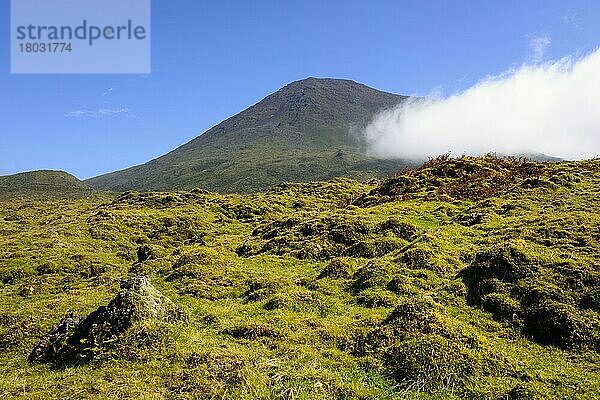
(551, 108)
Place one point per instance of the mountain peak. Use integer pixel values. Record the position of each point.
(292, 134)
(330, 86)
(320, 101)
(312, 81)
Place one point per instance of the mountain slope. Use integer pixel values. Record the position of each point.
(303, 132)
(46, 184)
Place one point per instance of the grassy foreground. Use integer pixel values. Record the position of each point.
(467, 278)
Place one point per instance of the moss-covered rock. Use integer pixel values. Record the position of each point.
(323, 238)
(543, 300)
(338, 268)
(413, 315)
(374, 273)
(80, 339)
(465, 178)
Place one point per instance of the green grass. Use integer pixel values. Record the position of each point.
(439, 289)
(44, 185)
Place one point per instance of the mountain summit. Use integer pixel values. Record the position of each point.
(306, 131)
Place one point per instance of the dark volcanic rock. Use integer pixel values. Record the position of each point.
(77, 339)
(52, 345)
(144, 253)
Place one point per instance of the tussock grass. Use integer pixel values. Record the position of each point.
(468, 278)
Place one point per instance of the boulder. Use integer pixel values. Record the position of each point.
(77, 339)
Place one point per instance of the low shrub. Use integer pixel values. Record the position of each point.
(551, 303)
(419, 257)
(338, 268)
(551, 322)
(430, 362)
(399, 228)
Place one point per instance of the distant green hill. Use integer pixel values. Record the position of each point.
(306, 131)
(44, 184)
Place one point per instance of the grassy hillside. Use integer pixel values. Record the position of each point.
(306, 131)
(466, 278)
(44, 184)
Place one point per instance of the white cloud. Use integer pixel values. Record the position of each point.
(102, 112)
(538, 46)
(550, 108)
(106, 111)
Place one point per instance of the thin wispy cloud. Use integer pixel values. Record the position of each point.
(538, 45)
(102, 112)
(107, 92)
(572, 19)
(549, 108)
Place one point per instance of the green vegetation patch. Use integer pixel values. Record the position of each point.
(477, 279)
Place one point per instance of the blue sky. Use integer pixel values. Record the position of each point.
(211, 60)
